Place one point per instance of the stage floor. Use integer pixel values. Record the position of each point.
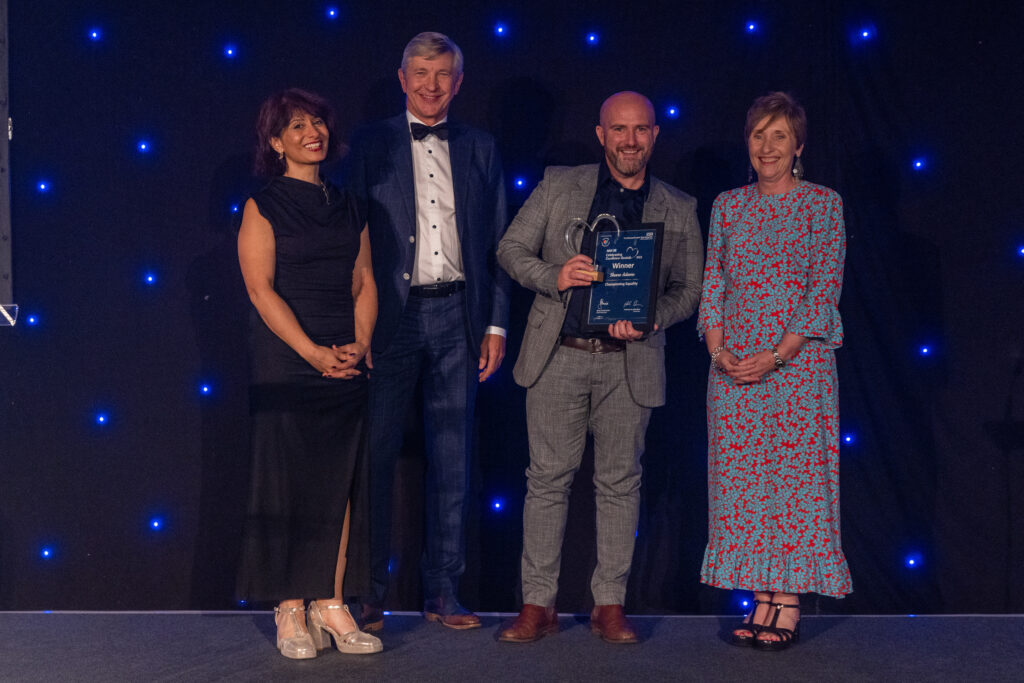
(239, 646)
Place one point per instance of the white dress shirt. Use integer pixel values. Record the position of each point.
(438, 252)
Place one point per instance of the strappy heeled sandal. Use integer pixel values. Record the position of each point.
(786, 636)
(748, 625)
(354, 642)
(300, 644)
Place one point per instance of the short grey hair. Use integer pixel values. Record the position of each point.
(429, 45)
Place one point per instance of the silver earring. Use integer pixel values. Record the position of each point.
(750, 174)
(798, 169)
(280, 156)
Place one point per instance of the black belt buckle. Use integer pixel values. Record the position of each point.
(441, 289)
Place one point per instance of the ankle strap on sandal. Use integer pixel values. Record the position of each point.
(288, 610)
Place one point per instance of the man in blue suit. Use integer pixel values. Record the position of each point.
(434, 196)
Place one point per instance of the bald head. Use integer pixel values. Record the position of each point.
(627, 132)
(628, 99)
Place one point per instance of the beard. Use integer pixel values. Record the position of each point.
(627, 166)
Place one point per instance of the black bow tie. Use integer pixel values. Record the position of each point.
(419, 131)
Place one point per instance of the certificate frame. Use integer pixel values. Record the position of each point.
(629, 261)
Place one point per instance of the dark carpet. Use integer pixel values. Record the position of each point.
(239, 646)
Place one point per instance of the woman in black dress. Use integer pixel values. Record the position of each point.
(305, 259)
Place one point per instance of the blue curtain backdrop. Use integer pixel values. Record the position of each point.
(138, 116)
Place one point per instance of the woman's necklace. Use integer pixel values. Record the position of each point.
(327, 196)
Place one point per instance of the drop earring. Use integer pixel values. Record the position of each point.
(798, 169)
(750, 174)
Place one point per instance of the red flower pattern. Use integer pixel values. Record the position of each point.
(775, 264)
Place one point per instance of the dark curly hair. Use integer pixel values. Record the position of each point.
(275, 114)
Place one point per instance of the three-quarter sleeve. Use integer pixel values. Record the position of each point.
(817, 315)
(712, 298)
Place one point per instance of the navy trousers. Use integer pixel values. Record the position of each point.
(429, 349)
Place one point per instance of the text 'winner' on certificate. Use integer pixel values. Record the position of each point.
(629, 260)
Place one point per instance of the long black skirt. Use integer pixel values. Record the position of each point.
(309, 460)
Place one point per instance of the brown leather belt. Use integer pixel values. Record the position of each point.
(438, 290)
(594, 345)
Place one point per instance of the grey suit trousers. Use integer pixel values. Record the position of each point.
(580, 392)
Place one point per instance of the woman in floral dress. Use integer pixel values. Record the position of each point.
(769, 315)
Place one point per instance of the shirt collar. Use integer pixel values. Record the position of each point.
(412, 119)
(604, 176)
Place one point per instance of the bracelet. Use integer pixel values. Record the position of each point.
(779, 363)
(714, 355)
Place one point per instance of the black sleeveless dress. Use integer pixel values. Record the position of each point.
(307, 432)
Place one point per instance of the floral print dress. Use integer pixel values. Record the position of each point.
(775, 264)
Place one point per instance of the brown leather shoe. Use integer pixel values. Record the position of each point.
(451, 614)
(372, 619)
(610, 622)
(533, 623)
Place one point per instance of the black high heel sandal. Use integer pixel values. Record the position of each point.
(748, 625)
(786, 636)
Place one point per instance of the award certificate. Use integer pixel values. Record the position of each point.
(628, 260)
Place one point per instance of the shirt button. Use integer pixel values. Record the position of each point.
(405, 276)
(434, 227)
(438, 279)
(412, 238)
(431, 175)
(435, 253)
(430, 151)
(432, 201)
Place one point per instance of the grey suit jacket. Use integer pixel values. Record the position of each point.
(533, 251)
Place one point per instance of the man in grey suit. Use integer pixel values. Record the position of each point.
(577, 382)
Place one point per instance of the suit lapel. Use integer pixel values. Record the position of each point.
(400, 151)
(460, 153)
(580, 199)
(583, 196)
(654, 208)
(656, 211)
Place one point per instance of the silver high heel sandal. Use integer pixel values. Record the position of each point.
(300, 645)
(353, 643)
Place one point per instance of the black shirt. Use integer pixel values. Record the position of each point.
(628, 208)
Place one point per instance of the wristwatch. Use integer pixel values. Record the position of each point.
(779, 363)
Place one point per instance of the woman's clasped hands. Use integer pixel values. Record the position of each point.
(748, 370)
(339, 362)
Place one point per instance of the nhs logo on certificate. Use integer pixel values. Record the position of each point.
(630, 259)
